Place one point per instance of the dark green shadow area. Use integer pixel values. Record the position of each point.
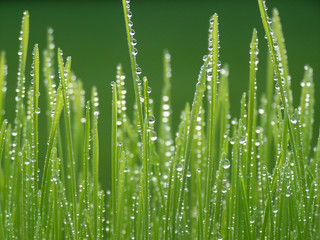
(93, 33)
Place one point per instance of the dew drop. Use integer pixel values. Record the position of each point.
(225, 163)
(151, 120)
(179, 167)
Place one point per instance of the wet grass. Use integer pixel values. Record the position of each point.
(218, 177)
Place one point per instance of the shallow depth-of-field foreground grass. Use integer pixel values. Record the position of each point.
(218, 177)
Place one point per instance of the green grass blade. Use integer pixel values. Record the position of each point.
(145, 162)
(65, 74)
(307, 110)
(136, 71)
(18, 126)
(268, 161)
(85, 160)
(120, 194)
(274, 51)
(95, 158)
(278, 34)
(251, 108)
(78, 107)
(212, 82)
(197, 101)
(165, 136)
(45, 178)
(170, 190)
(49, 75)
(114, 158)
(200, 209)
(3, 74)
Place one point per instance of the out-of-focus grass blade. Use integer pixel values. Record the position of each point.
(165, 136)
(95, 158)
(3, 74)
(49, 74)
(278, 34)
(223, 107)
(78, 107)
(307, 111)
(120, 194)
(114, 163)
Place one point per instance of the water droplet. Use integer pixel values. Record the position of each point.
(204, 58)
(225, 163)
(252, 219)
(179, 167)
(294, 118)
(138, 70)
(134, 51)
(153, 136)
(151, 119)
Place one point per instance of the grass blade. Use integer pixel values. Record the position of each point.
(3, 74)
(212, 81)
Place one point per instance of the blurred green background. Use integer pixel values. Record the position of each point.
(93, 33)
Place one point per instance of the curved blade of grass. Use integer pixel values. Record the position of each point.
(132, 53)
(278, 34)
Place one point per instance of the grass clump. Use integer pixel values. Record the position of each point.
(255, 177)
